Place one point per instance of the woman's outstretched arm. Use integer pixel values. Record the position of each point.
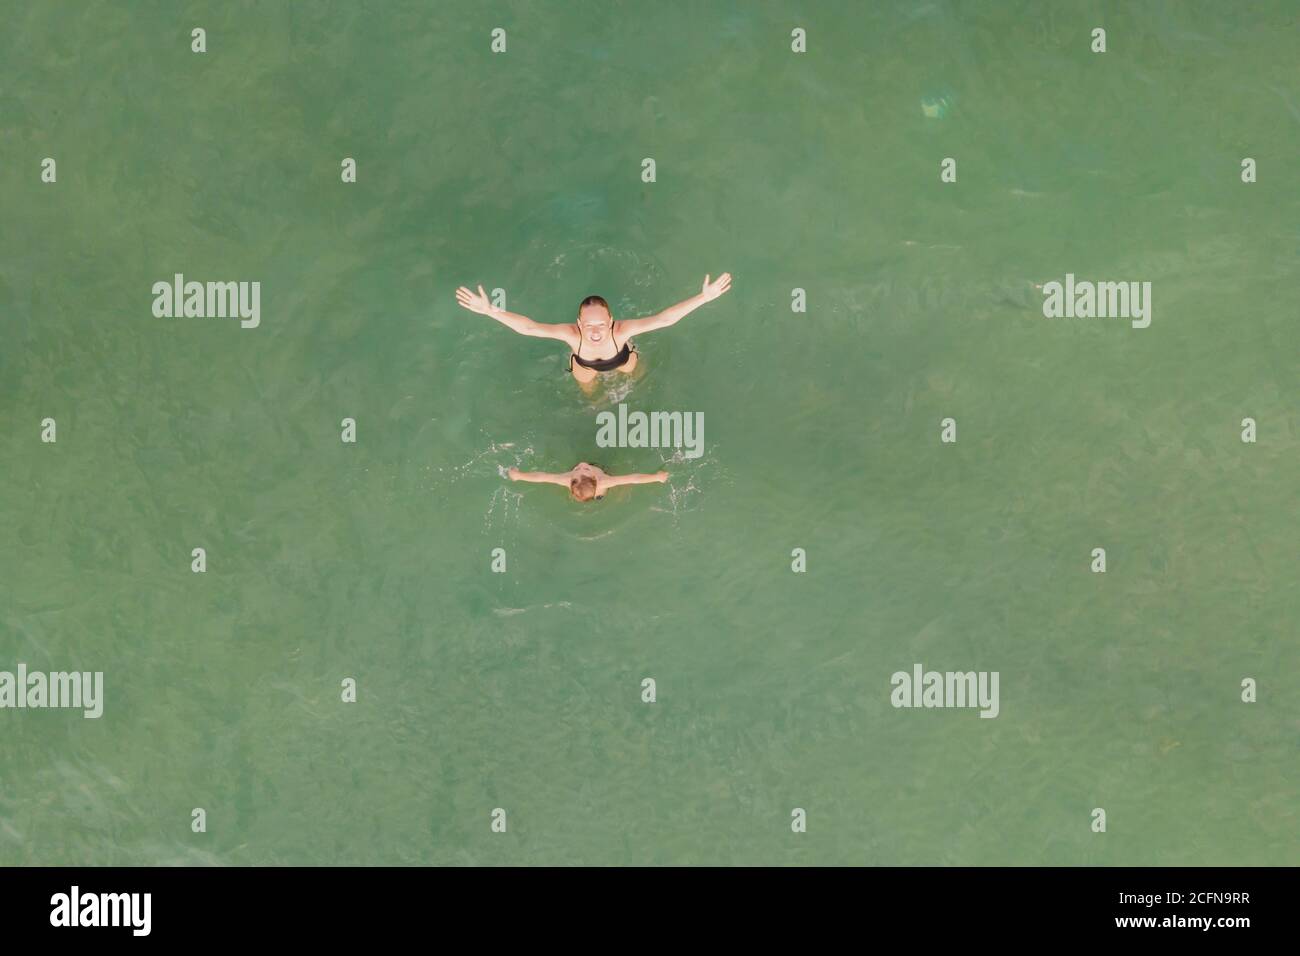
(675, 313)
(479, 302)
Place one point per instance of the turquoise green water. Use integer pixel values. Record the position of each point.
(522, 690)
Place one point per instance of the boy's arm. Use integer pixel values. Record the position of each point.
(544, 477)
(658, 476)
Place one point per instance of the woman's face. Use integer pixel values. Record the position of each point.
(595, 322)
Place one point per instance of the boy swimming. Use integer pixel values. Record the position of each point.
(596, 331)
(586, 482)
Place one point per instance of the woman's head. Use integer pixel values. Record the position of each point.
(582, 487)
(595, 320)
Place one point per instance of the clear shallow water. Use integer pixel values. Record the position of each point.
(522, 690)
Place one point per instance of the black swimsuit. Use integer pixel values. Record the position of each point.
(602, 365)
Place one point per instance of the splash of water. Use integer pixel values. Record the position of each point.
(503, 504)
(682, 487)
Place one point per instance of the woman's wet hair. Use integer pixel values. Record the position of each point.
(595, 300)
(583, 487)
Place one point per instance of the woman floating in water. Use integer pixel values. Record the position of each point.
(586, 482)
(607, 342)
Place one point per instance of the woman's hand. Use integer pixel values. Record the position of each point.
(474, 302)
(513, 473)
(711, 290)
(662, 476)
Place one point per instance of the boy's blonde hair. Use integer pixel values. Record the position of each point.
(583, 487)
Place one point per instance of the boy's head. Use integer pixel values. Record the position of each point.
(582, 487)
